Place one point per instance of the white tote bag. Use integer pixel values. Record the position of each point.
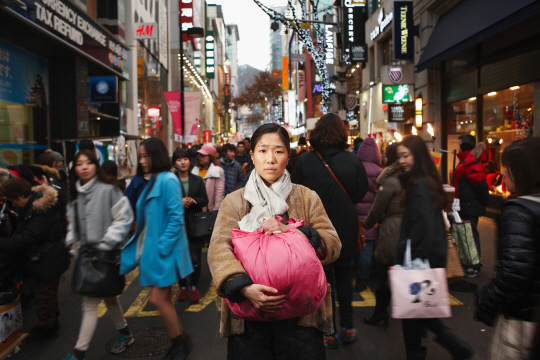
(419, 294)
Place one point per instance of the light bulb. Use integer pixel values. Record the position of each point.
(398, 136)
(430, 130)
(414, 132)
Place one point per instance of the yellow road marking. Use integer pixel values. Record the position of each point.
(137, 308)
(454, 301)
(369, 300)
(210, 297)
(102, 308)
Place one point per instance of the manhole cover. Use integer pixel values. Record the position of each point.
(150, 341)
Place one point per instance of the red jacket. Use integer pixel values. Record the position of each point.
(471, 165)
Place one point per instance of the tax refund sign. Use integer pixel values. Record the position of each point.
(72, 26)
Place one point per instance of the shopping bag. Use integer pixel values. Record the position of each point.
(418, 294)
(454, 269)
(286, 262)
(462, 233)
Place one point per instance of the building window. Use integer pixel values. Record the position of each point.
(387, 51)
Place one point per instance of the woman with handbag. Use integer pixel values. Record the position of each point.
(386, 212)
(194, 198)
(99, 218)
(160, 246)
(340, 180)
(512, 298)
(269, 191)
(423, 224)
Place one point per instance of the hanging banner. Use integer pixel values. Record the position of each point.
(192, 114)
(207, 136)
(403, 34)
(173, 103)
(285, 73)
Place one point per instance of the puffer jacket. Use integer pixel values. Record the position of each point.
(214, 180)
(515, 290)
(234, 175)
(470, 181)
(387, 212)
(370, 156)
(39, 235)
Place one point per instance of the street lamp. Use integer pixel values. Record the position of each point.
(418, 104)
(193, 32)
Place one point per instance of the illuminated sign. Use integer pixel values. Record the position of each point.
(355, 3)
(383, 21)
(355, 39)
(329, 37)
(395, 94)
(403, 35)
(210, 57)
(186, 17)
(146, 31)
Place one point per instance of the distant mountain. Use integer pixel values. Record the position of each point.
(245, 76)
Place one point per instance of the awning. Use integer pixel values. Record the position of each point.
(471, 22)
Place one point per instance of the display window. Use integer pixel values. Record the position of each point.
(150, 90)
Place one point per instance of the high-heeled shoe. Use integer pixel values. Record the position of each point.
(376, 318)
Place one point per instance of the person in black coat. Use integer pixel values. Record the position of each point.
(514, 294)
(194, 198)
(39, 235)
(329, 139)
(423, 224)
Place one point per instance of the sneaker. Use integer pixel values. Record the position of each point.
(472, 272)
(182, 295)
(70, 356)
(181, 351)
(348, 335)
(38, 334)
(122, 343)
(361, 285)
(331, 341)
(194, 294)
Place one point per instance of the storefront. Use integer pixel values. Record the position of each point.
(46, 67)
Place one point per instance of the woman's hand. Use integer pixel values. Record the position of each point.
(272, 225)
(187, 202)
(257, 295)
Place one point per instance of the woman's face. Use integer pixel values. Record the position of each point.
(182, 164)
(85, 169)
(405, 158)
(204, 160)
(270, 157)
(509, 181)
(144, 160)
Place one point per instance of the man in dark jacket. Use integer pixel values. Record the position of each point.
(471, 188)
(234, 174)
(39, 235)
(241, 155)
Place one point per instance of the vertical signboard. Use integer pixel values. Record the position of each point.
(209, 52)
(285, 73)
(329, 49)
(355, 38)
(186, 17)
(301, 86)
(173, 102)
(192, 114)
(403, 36)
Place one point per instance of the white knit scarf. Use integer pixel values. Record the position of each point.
(267, 201)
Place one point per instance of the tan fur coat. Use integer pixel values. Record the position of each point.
(303, 204)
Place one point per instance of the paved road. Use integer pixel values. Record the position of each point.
(202, 321)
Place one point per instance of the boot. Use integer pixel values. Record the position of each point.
(376, 318)
(458, 349)
(361, 285)
(420, 355)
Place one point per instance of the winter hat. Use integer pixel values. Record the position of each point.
(57, 156)
(207, 150)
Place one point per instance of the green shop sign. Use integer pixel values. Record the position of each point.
(395, 94)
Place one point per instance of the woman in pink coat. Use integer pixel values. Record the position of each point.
(209, 168)
(370, 156)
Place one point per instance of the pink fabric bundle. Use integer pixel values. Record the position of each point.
(286, 262)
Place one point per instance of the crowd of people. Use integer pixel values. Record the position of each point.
(358, 207)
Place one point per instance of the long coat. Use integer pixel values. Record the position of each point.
(165, 254)
(386, 210)
(197, 191)
(311, 172)
(303, 204)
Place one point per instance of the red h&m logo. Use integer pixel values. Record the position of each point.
(145, 31)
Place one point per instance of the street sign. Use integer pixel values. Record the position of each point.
(351, 101)
(298, 57)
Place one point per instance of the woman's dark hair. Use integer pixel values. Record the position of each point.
(179, 154)
(391, 154)
(213, 160)
(522, 158)
(269, 129)
(423, 167)
(73, 177)
(329, 131)
(159, 157)
(15, 187)
(110, 172)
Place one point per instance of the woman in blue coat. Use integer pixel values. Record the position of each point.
(159, 246)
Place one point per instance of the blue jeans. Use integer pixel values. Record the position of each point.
(364, 260)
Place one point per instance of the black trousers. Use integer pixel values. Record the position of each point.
(383, 294)
(195, 275)
(46, 296)
(414, 329)
(339, 276)
(276, 340)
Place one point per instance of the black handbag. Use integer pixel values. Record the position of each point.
(201, 224)
(97, 272)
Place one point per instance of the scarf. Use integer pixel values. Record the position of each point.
(267, 201)
(84, 188)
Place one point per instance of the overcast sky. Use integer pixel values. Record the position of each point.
(254, 28)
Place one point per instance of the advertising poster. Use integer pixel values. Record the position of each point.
(10, 323)
(436, 159)
(173, 103)
(192, 114)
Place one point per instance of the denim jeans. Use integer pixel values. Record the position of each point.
(364, 260)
